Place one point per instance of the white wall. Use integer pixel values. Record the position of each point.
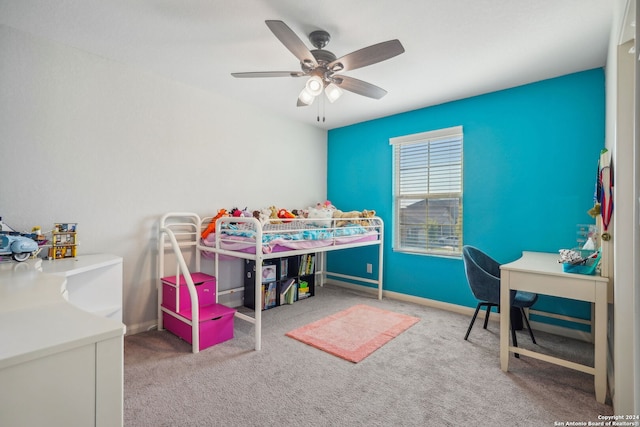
(88, 140)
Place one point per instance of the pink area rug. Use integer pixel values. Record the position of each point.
(354, 333)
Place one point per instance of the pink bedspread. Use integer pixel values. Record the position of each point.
(247, 245)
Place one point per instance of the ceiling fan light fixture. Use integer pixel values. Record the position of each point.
(314, 85)
(333, 92)
(306, 97)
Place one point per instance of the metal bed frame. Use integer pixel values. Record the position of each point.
(180, 231)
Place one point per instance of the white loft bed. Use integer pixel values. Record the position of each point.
(248, 238)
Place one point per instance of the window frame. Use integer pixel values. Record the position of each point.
(451, 189)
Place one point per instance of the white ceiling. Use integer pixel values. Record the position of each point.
(453, 48)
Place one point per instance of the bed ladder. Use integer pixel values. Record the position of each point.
(166, 232)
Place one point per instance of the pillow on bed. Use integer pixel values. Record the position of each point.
(320, 217)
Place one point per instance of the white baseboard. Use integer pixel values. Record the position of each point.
(141, 327)
(538, 326)
(408, 298)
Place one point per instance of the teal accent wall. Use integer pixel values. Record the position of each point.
(530, 162)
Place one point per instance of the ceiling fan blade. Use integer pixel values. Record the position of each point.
(269, 74)
(292, 42)
(367, 56)
(359, 87)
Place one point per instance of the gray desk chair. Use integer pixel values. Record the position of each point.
(483, 275)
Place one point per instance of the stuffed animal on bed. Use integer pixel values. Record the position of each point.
(235, 212)
(262, 215)
(325, 205)
(211, 228)
(300, 213)
(286, 215)
(320, 217)
(367, 215)
(273, 215)
(344, 218)
(353, 217)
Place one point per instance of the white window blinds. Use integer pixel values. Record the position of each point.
(427, 173)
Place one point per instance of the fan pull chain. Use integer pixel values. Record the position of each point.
(318, 116)
(323, 104)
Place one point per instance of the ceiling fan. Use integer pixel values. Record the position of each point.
(322, 66)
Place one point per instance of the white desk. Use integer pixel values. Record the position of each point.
(541, 273)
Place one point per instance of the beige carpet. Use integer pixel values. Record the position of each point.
(426, 376)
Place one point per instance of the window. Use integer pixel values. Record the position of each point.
(427, 192)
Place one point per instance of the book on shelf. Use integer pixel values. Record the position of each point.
(284, 268)
(291, 295)
(310, 266)
(306, 264)
(288, 292)
(269, 290)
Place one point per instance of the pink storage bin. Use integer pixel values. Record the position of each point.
(175, 296)
(216, 325)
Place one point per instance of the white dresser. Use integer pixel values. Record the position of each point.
(60, 365)
(94, 282)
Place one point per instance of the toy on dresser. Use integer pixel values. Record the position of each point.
(64, 241)
(19, 246)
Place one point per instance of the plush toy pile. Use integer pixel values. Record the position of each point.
(320, 215)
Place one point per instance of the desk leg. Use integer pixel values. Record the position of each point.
(600, 342)
(505, 319)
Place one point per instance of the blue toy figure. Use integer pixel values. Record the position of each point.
(13, 243)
